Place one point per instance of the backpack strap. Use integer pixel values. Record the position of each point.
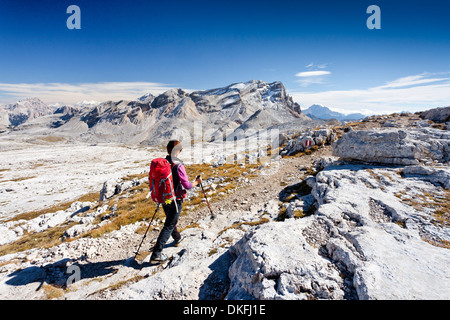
(175, 163)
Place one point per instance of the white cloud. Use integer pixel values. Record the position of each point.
(313, 65)
(311, 77)
(410, 81)
(305, 82)
(413, 93)
(72, 93)
(312, 73)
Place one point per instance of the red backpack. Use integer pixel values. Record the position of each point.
(161, 181)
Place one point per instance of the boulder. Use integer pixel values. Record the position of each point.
(392, 146)
(112, 187)
(437, 114)
(275, 261)
(317, 137)
(108, 189)
(77, 230)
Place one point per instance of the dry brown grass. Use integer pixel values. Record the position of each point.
(436, 203)
(45, 239)
(92, 197)
(230, 172)
(439, 204)
(51, 138)
(238, 225)
(136, 207)
(306, 152)
(52, 292)
(132, 207)
(18, 179)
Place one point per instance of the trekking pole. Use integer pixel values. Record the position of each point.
(212, 214)
(136, 253)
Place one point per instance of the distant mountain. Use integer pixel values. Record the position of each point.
(238, 109)
(317, 111)
(27, 109)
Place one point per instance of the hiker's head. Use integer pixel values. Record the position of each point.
(174, 148)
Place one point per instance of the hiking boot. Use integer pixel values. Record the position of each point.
(158, 258)
(177, 242)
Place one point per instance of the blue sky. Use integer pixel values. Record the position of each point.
(322, 51)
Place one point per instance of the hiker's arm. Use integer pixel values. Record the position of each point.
(184, 178)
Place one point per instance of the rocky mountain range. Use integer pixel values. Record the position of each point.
(317, 111)
(234, 110)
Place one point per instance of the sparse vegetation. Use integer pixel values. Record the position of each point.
(437, 204)
(230, 173)
(92, 197)
(131, 208)
(44, 239)
(292, 193)
(51, 138)
(52, 292)
(18, 179)
(239, 225)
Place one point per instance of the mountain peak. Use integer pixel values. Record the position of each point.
(146, 97)
(319, 111)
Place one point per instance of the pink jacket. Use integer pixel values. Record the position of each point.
(184, 183)
(183, 177)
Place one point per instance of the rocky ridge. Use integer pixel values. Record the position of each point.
(236, 110)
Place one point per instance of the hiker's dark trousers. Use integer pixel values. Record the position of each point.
(170, 226)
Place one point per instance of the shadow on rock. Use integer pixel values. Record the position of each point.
(64, 272)
(216, 285)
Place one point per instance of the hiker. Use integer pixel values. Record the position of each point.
(172, 210)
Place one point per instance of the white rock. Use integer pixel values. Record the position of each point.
(439, 176)
(391, 146)
(275, 262)
(76, 230)
(375, 248)
(7, 235)
(437, 114)
(317, 137)
(108, 189)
